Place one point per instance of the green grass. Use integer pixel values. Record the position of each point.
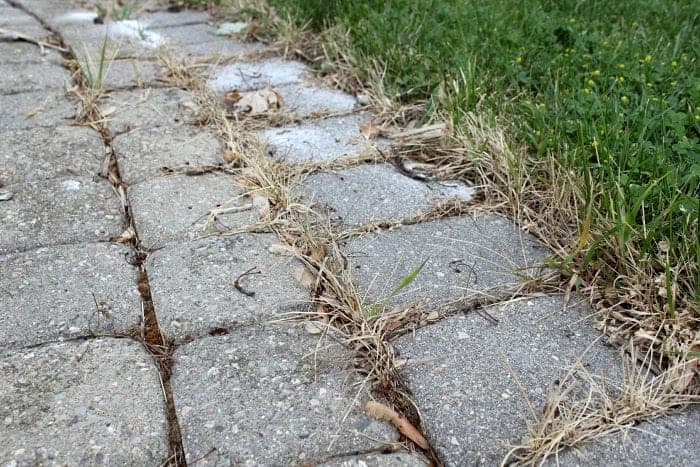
(607, 89)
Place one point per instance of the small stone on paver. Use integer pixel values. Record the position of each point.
(256, 75)
(462, 372)
(66, 291)
(130, 73)
(318, 141)
(175, 208)
(397, 459)
(375, 193)
(23, 52)
(97, 402)
(464, 257)
(270, 395)
(661, 442)
(28, 77)
(147, 108)
(44, 153)
(142, 153)
(59, 211)
(34, 109)
(207, 270)
(306, 100)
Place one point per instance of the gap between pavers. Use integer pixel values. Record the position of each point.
(146, 108)
(270, 395)
(46, 153)
(464, 257)
(143, 152)
(66, 291)
(369, 193)
(96, 402)
(193, 284)
(176, 208)
(59, 211)
(319, 141)
(36, 109)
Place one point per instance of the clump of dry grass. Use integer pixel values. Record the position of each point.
(585, 407)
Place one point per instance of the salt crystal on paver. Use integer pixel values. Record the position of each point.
(66, 291)
(80, 16)
(368, 193)
(319, 141)
(95, 402)
(257, 411)
(255, 75)
(136, 31)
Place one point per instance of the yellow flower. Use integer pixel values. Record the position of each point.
(590, 82)
(519, 60)
(594, 143)
(621, 66)
(625, 100)
(697, 118)
(596, 73)
(586, 90)
(647, 58)
(604, 44)
(674, 63)
(621, 79)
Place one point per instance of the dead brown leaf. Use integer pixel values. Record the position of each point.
(253, 102)
(382, 412)
(370, 131)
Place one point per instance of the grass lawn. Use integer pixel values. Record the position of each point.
(602, 96)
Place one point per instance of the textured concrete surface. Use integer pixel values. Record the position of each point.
(142, 153)
(23, 52)
(146, 108)
(369, 193)
(464, 256)
(96, 402)
(318, 141)
(662, 442)
(127, 73)
(304, 100)
(198, 40)
(67, 210)
(44, 153)
(268, 395)
(255, 75)
(35, 109)
(18, 21)
(27, 77)
(465, 373)
(208, 269)
(164, 18)
(175, 208)
(66, 291)
(398, 459)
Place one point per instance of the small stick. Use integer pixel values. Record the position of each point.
(238, 285)
(18, 36)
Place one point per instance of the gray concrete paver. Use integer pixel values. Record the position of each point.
(35, 109)
(22, 52)
(164, 18)
(96, 402)
(16, 20)
(318, 141)
(246, 76)
(26, 77)
(128, 73)
(397, 459)
(50, 293)
(370, 192)
(198, 41)
(464, 257)
(212, 265)
(467, 373)
(269, 395)
(143, 152)
(45, 153)
(175, 208)
(59, 211)
(147, 108)
(304, 100)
